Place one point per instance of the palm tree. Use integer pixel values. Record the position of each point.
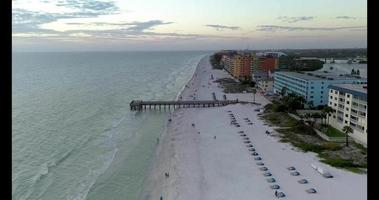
(254, 91)
(323, 116)
(327, 110)
(347, 130)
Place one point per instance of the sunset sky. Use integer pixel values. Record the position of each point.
(66, 25)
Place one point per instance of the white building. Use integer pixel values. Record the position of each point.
(266, 85)
(350, 104)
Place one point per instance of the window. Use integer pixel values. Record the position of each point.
(335, 104)
(311, 97)
(346, 115)
(322, 87)
(335, 98)
(312, 87)
(345, 122)
(347, 102)
(335, 92)
(311, 92)
(331, 97)
(322, 82)
(348, 95)
(322, 92)
(330, 103)
(321, 101)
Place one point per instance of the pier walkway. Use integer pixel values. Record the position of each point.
(140, 105)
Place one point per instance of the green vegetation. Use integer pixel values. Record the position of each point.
(231, 86)
(215, 60)
(288, 103)
(293, 63)
(302, 136)
(347, 130)
(331, 132)
(280, 119)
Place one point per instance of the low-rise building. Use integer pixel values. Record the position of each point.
(313, 86)
(266, 85)
(349, 101)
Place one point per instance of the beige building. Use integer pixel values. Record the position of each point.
(350, 104)
(266, 85)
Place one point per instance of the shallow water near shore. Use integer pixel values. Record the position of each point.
(73, 135)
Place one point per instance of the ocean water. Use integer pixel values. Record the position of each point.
(73, 135)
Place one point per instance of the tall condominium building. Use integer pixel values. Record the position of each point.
(313, 86)
(246, 66)
(238, 65)
(349, 101)
(262, 65)
(227, 60)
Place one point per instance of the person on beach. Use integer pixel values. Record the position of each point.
(214, 137)
(161, 198)
(276, 193)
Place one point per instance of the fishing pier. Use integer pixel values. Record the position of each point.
(142, 105)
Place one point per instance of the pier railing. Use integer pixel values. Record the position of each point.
(141, 105)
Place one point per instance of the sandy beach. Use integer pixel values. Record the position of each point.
(211, 160)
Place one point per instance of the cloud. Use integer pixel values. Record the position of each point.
(345, 17)
(273, 28)
(295, 19)
(89, 6)
(221, 27)
(24, 20)
(141, 26)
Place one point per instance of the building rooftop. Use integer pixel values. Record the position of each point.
(355, 89)
(319, 75)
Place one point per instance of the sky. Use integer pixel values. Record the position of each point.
(153, 25)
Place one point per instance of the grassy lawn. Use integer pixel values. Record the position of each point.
(352, 158)
(333, 132)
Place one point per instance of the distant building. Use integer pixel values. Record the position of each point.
(266, 85)
(350, 104)
(238, 65)
(263, 65)
(268, 63)
(313, 86)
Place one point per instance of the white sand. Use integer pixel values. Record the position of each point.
(202, 167)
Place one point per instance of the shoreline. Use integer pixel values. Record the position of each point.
(203, 167)
(152, 186)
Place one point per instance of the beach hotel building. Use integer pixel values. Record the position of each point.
(313, 86)
(238, 65)
(262, 66)
(349, 101)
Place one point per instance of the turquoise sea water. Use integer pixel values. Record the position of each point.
(73, 135)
